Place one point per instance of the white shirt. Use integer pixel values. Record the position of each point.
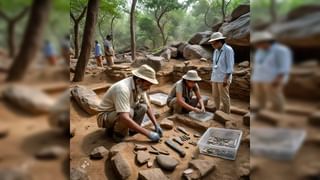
(268, 64)
(223, 60)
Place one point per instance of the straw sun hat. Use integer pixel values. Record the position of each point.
(147, 73)
(191, 75)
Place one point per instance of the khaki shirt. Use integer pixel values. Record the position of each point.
(180, 87)
(122, 96)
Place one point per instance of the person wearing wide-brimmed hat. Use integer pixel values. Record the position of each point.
(125, 103)
(271, 66)
(180, 99)
(222, 62)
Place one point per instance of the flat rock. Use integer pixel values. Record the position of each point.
(167, 162)
(152, 174)
(314, 119)
(121, 166)
(238, 111)
(52, 152)
(222, 117)
(99, 152)
(203, 166)
(78, 174)
(4, 130)
(142, 157)
(246, 119)
(269, 117)
(150, 164)
(244, 169)
(59, 115)
(166, 124)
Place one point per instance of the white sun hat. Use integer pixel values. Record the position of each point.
(191, 75)
(261, 36)
(216, 36)
(147, 73)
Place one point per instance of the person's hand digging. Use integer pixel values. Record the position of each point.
(159, 130)
(154, 137)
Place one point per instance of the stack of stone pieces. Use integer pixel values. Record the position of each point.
(118, 72)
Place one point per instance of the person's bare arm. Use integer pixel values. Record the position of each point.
(125, 118)
(200, 100)
(150, 113)
(182, 103)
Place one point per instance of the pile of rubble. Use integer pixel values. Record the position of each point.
(118, 72)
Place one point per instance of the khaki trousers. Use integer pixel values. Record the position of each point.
(221, 94)
(109, 60)
(110, 120)
(99, 61)
(265, 92)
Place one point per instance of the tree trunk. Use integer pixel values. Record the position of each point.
(11, 39)
(76, 39)
(32, 39)
(163, 36)
(88, 35)
(132, 30)
(111, 30)
(223, 12)
(273, 11)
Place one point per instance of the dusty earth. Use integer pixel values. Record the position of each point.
(88, 136)
(27, 134)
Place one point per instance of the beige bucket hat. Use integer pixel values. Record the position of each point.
(191, 75)
(216, 36)
(261, 36)
(147, 73)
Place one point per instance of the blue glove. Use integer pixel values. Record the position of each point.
(154, 137)
(159, 130)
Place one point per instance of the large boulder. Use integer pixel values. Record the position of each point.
(29, 99)
(200, 37)
(299, 32)
(237, 31)
(197, 52)
(302, 11)
(86, 98)
(239, 11)
(156, 62)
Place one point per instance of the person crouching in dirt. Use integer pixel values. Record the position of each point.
(98, 54)
(125, 104)
(180, 99)
(108, 50)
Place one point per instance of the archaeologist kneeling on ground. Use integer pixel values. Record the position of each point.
(180, 98)
(125, 104)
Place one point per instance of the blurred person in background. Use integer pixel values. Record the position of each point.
(222, 61)
(98, 54)
(66, 49)
(50, 52)
(108, 50)
(272, 64)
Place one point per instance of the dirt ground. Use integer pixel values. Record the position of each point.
(306, 163)
(88, 136)
(27, 133)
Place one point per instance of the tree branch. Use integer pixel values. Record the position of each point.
(21, 14)
(72, 16)
(82, 13)
(3, 16)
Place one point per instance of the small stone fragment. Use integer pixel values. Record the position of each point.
(222, 117)
(152, 151)
(166, 124)
(166, 162)
(99, 152)
(140, 147)
(188, 171)
(142, 157)
(196, 135)
(150, 164)
(152, 174)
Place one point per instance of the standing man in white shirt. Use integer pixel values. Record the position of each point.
(271, 67)
(222, 62)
